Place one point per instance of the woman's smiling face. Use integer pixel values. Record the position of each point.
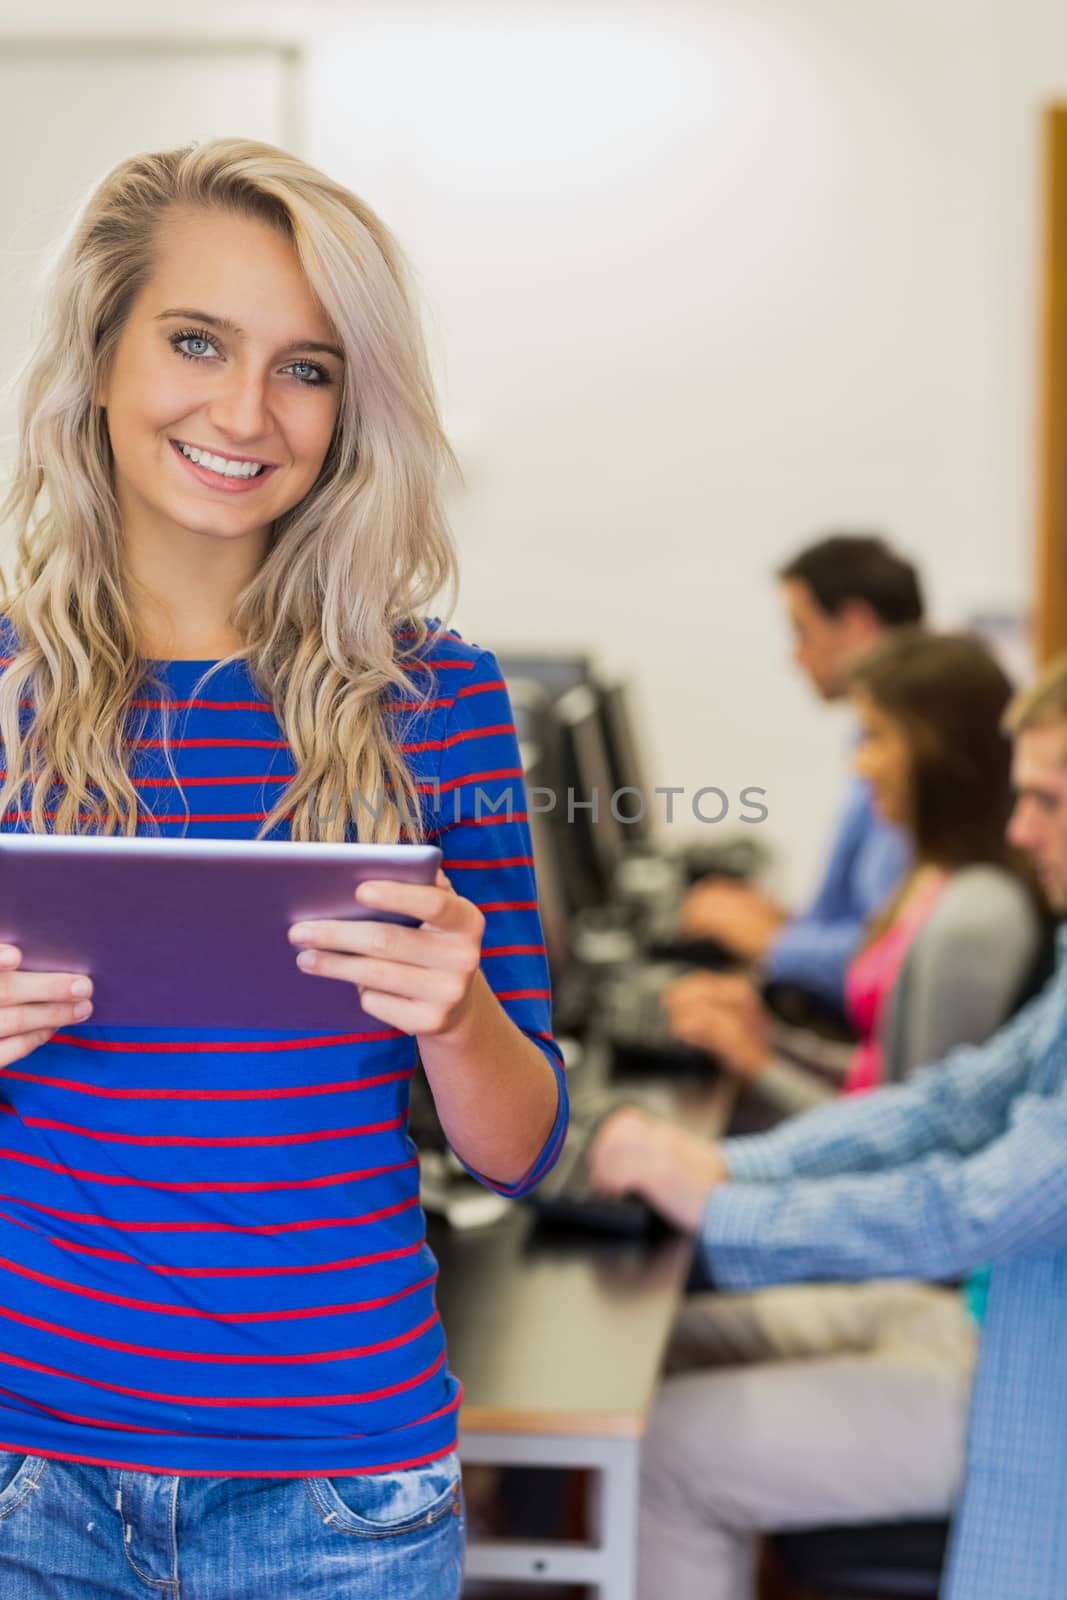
(226, 351)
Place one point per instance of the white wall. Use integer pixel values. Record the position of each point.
(706, 280)
(155, 98)
(703, 280)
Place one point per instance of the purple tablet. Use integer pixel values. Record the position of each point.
(193, 932)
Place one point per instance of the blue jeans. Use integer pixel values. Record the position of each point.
(69, 1532)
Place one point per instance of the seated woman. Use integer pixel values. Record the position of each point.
(819, 1403)
(949, 954)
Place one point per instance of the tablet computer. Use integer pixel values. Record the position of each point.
(194, 932)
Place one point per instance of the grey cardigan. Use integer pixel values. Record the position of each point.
(960, 977)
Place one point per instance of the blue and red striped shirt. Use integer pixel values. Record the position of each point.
(212, 1254)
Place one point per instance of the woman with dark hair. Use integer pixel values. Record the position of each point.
(224, 1373)
(948, 954)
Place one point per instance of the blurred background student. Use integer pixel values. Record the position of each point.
(946, 955)
(840, 595)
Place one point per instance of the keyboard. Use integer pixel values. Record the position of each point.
(740, 858)
(632, 1019)
(565, 1199)
(801, 1008)
(709, 955)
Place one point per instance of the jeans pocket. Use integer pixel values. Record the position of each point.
(384, 1505)
(19, 1476)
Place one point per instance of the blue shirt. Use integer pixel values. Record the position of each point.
(965, 1165)
(212, 1254)
(867, 860)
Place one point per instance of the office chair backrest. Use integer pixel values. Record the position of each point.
(966, 970)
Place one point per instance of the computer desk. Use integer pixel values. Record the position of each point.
(558, 1342)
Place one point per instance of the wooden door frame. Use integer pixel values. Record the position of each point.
(1050, 597)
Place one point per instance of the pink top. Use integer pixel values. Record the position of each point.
(872, 977)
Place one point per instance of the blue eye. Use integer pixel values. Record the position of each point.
(318, 376)
(191, 336)
(321, 377)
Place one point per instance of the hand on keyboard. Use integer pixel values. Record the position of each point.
(634, 1153)
(724, 1015)
(566, 1198)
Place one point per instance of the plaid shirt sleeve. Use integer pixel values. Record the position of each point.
(984, 1187)
(867, 861)
(959, 1105)
(937, 1218)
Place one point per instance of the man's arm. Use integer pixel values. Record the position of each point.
(867, 860)
(814, 955)
(761, 1221)
(936, 1218)
(959, 1105)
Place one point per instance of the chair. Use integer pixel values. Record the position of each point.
(883, 1561)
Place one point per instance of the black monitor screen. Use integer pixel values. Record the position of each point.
(548, 865)
(624, 757)
(531, 711)
(555, 673)
(594, 836)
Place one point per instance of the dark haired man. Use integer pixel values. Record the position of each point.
(839, 595)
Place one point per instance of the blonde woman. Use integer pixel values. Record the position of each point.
(221, 1364)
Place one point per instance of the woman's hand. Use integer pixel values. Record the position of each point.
(635, 1153)
(724, 1015)
(33, 1005)
(419, 980)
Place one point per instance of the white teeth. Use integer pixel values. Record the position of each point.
(219, 464)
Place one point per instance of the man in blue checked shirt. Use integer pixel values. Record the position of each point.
(839, 595)
(963, 1167)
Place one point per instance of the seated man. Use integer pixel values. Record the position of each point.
(840, 596)
(857, 1406)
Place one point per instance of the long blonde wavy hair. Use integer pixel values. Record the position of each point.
(349, 568)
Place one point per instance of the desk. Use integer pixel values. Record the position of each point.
(559, 1343)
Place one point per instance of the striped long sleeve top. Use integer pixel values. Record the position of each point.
(212, 1253)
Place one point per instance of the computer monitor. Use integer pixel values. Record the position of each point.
(556, 673)
(593, 838)
(624, 758)
(548, 865)
(534, 714)
(531, 711)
